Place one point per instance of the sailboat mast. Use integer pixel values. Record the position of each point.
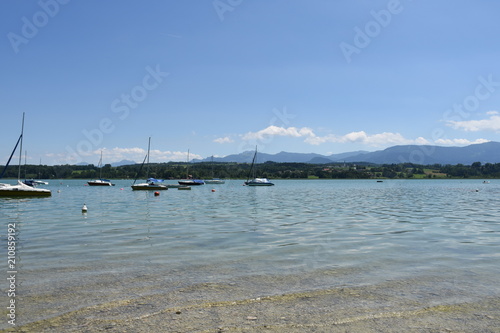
(21, 150)
(187, 167)
(252, 167)
(140, 169)
(147, 168)
(212, 166)
(25, 161)
(100, 166)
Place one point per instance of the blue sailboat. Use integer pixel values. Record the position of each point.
(189, 181)
(151, 183)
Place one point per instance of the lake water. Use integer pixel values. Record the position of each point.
(438, 238)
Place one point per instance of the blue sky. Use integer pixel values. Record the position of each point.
(218, 77)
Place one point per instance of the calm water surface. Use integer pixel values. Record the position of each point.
(307, 234)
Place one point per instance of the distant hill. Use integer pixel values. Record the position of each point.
(320, 160)
(123, 162)
(281, 157)
(343, 156)
(488, 152)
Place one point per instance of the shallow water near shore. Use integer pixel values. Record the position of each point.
(396, 245)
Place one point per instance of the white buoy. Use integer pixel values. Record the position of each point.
(84, 208)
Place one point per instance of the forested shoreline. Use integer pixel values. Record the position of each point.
(272, 170)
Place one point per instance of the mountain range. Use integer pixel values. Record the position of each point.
(114, 164)
(488, 152)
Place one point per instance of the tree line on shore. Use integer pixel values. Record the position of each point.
(271, 170)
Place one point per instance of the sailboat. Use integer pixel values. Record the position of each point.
(34, 182)
(151, 183)
(256, 181)
(100, 181)
(31, 182)
(189, 180)
(20, 189)
(214, 180)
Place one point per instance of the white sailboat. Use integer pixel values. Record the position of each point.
(151, 183)
(256, 181)
(100, 181)
(20, 189)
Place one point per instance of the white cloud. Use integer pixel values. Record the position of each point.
(278, 131)
(490, 124)
(317, 140)
(225, 139)
(137, 154)
(421, 141)
(362, 137)
(459, 142)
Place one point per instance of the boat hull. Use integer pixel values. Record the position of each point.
(215, 181)
(23, 190)
(148, 187)
(191, 182)
(258, 184)
(174, 185)
(100, 183)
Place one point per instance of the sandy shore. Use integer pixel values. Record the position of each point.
(396, 306)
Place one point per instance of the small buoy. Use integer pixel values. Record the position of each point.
(157, 193)
(121, 189)
(58, 191)
(84, 208)
(213, 190)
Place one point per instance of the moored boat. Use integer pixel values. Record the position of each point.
(259, 182)
(256, 181)
(151, 183)
(100, 181)
(190, 181)
(20, 189)
(214, 181)
(35, 182)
